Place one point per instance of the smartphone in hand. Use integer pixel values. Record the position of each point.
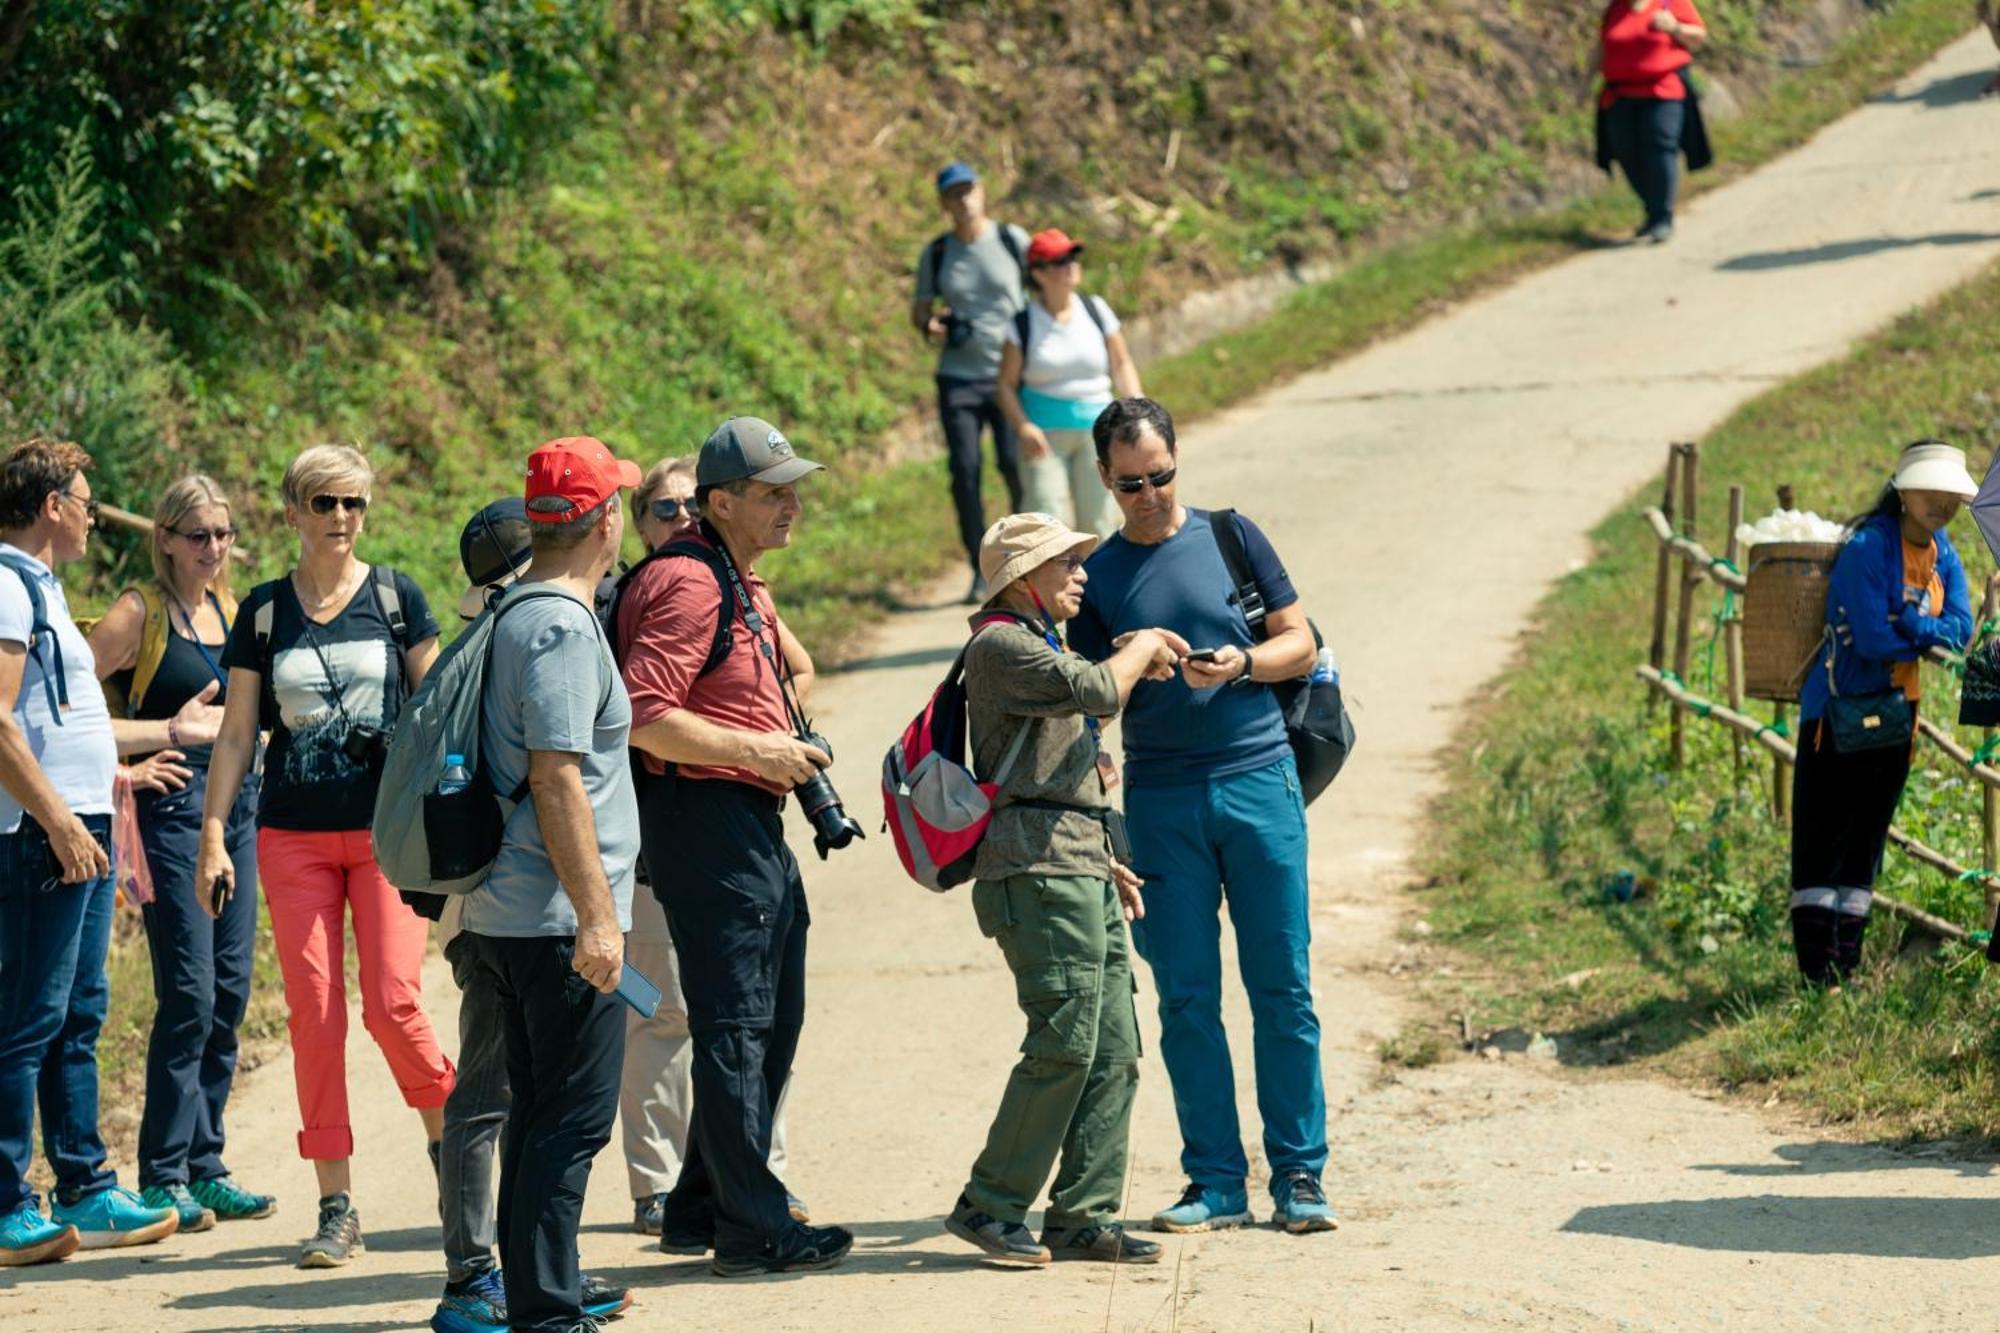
(218, 893)
(1203, 655)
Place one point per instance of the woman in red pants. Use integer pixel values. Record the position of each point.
(323, 658)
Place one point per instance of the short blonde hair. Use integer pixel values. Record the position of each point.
(322, 467)
(192, 492)
(655, 481)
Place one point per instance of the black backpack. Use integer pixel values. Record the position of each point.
(934, 256)
(608, 600)
(1091, 306)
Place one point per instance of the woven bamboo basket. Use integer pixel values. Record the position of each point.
(1784, 616)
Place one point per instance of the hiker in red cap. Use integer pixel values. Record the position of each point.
(323, 657)
(1064, 362)
(554, 725)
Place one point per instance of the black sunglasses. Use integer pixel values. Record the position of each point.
(326, 504)
(1159, 481)
(89, 503)
(669, 510)
(205, 536)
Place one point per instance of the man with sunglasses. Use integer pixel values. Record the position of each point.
(58, 760)
(1215, 812)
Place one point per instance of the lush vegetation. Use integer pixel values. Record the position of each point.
(1567, 786)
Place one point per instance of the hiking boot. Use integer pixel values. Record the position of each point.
(601, 1300)
(1101, 1242)
(476, 1305)
(339, 1236)
(1009, 1242)
(646, 1214)
(193, 1216)
(797, 1208)
(230, 1202)
(1658, 234)
(26, 1237)
(803, 1250)
(1205, 1208)
(110, 1219)
(1302, 1205)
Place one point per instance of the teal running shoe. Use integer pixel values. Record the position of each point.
(110, 1219)
(229, 1201)
(26, 1237)
(1205, 1208)
(1302, 1205)
(193, 1216)
(601, 1300)
(478, 1305)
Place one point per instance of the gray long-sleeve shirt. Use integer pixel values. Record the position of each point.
(1014, 678)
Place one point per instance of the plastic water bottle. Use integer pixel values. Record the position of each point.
(456, 778)
(1326, 668)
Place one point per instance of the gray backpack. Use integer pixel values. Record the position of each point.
(432, 841)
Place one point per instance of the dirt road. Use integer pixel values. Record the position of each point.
(1473, 1193)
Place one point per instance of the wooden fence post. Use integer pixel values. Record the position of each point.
(1684, 608)
(1656, 656)
(1781, 772)
(1732, 628)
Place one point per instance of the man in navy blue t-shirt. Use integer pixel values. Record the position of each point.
(1214, 808)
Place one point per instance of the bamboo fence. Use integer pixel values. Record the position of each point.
(1672, 523)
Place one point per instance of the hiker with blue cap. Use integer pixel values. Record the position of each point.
(971, 283)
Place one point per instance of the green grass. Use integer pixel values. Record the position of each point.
(1565, 784)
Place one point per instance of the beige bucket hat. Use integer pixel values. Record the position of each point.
(1021, 543)
(1932, 465)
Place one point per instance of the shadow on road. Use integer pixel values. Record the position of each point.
(893, 661)
(1940, 93)
(1835, 251)
(1885, 1228)
(1837, 1159)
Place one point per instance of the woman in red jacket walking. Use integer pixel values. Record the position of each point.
(1646, 45)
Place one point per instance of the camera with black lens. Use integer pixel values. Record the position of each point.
(833, 827)
(366, 746)
(957, 329)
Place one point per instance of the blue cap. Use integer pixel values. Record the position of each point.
(955, 175)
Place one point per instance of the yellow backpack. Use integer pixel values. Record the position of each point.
(152, 648)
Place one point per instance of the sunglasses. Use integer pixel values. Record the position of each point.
(326, 504)
(669, 510)
(205, 536)
(1159, 481)
(1055, 263)
(89, 504)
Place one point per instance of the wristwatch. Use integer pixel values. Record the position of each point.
(1243, 677)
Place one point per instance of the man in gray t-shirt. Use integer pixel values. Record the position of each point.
(559, 899)
(971, 282)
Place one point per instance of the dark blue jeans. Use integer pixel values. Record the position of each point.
(53, 939)
(565, 1045)
(1645, 135)
(201, 983)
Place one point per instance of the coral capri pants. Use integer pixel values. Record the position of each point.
(311, 879)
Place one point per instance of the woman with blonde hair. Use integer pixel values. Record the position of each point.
(159, 649)
(323, 658)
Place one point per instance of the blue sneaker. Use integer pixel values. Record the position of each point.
(478, 1306)
(601, 1300)
(193, 1216)
(26, 1237)
(1205, 1208)
(1302, 1205)
(113, 1218)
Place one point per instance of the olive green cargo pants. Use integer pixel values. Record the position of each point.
(1071, 1093)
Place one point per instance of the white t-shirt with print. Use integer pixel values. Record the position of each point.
(76, 752)
(1068, 358)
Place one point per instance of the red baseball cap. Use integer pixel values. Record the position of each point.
(569, 476)
(1050, 246)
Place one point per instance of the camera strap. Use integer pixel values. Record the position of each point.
(332, 681)
(753, 620)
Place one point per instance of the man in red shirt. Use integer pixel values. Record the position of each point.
(707, 664)
(1644, 110)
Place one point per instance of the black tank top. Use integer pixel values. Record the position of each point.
(182, 674)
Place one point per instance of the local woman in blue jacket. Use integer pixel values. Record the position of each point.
(1898, 588)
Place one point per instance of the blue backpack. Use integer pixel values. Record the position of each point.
(42, 635)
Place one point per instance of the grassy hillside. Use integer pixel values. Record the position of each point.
(447, 231)
(1565, 784)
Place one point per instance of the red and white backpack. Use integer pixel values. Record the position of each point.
(935, 807)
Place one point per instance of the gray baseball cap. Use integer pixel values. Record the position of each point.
(749, 448)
